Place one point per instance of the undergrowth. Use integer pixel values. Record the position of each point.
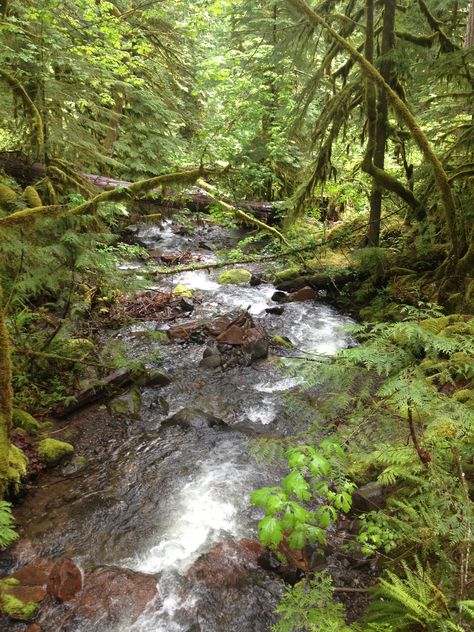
(401, 406)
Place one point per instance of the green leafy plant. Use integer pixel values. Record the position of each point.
(7, 531)
(289, 507)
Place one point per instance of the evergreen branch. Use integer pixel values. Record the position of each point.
(405, 115)
(44, 212)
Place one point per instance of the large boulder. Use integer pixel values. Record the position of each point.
(36, 573)
(304, 294)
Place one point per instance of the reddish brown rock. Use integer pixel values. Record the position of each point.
(227, 564)
(218, 325)
(35, 573)
(183, 332)
(65, 580)
(34, 627)
(27, 594)
(232, 336)
(111, 593)
(305, 294)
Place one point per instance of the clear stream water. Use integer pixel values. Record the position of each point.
(155, 499)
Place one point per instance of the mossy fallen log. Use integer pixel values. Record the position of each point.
(109, 386)
(316, 281)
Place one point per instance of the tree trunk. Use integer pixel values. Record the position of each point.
(6, 399)
(388, 41)
(469, 38)
(402, 111)
(112, 133)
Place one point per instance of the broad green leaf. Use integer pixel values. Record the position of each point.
(270, 530)
(295, 484)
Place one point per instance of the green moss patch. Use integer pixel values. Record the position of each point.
(53, 451)
(234, 276)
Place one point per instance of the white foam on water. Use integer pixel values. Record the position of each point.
(204, 511)
(263, 414)
(197, 280)
(277, 386)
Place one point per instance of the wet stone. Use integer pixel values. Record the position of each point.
(277, 310)
(35, 573)
(305, 294)
(65, 580)
(193, 418)
(279, 296)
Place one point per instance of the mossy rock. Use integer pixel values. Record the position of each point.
(17, 609)
(22, 419)
(182, 291)
(8, 198)
(287, 274)
(17, 464)
(32, 197)
(129, 404)
(282, 342)
(79, 348)
(238, 275)
(53, 451)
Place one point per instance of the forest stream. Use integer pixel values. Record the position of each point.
(166, 492)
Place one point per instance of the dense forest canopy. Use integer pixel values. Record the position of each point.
(353, 120)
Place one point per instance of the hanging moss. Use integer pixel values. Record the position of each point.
(32, 197)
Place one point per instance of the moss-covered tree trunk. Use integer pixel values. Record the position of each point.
(381, 126)
(6, 398)
(402, 111)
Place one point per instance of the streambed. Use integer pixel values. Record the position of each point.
(157, 498)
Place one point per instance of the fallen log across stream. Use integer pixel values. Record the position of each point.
(196, 199)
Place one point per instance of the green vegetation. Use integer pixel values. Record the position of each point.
(234, 276)
(53, 451)
(356, 117)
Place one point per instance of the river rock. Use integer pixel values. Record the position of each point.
(193, 418)
(238, 275)
(279, 296)
(65, 580)
(27, 594)
(305, 294)
(34, 627)
(256, 344)
(234, 335)
(211, 357)
(277, 310)
(218, 325)
(227, 588)
(255, 280)
(35, 573)
(155, 377)
(186, 304)
(111, 593)
(129, 404)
